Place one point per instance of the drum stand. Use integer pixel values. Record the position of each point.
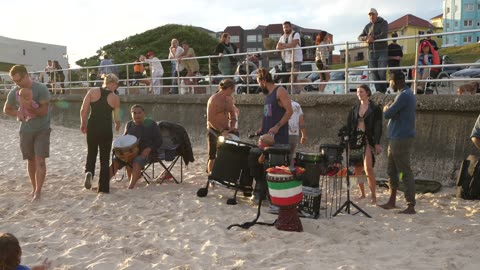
(348, 202)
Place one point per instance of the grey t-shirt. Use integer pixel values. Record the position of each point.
(40, 94)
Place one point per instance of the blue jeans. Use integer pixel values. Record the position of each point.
(378, 59)
(174, 89)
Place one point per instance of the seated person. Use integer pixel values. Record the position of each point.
(11, 254)
(427, 57)
(27, 104)
(266, 140)
(149, 139)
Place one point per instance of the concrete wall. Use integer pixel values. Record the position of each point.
(444, 123)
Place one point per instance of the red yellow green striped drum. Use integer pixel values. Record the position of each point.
(284, 189)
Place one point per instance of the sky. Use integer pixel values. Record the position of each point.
(84, 26)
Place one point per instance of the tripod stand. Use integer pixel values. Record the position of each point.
(348, 202)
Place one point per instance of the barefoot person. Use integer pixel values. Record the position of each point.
(401, 133)
(364, 123)
(35, 133)
(101, 102)
(221, 118)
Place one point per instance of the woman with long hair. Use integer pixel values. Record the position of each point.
(227, 62)
(364, 125)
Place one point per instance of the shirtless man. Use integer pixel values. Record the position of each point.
(221, 117)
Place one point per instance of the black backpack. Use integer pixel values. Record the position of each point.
(468, 180)
(302, 42)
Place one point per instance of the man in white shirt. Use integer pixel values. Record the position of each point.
(287, 42)
(296, 126)
(156, 69)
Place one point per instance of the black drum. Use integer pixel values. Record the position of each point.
(277, 155)
(231, 165)
(332, 153)
(314, 164)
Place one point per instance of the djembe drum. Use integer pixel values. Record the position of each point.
(286, 193)
(125, 148)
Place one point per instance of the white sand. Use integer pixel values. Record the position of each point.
(168, 227)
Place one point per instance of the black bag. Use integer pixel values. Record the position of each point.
(468, 180)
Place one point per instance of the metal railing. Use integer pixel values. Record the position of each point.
(83, 78)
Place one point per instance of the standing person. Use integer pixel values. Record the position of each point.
(101, 102)
(59, 76)
(221, 118)
(277, 109)
(107, 67)
(149, 139)
(156, 70)
(395, 52)
(296, 126)
(191, 65)
(35, 133)
(287, 42)
(400, 134)
(322, 55)
(364, 124)
(173, 53)
(376, 29)
(227, 62)
(49, 73)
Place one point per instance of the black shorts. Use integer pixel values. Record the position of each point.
(212, 135)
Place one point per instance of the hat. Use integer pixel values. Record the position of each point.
(372, 10)
(397, 75)
(150, 53)
(394, 34)
(429, 32)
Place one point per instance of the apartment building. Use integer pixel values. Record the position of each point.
(460, 15)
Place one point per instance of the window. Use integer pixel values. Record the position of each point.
(251, 38)
(467, 23)
(234, 39)
(448, 10)
(456, 24)
(467, 39)
(275, 37)
(447, 25)
(468, 7)
(259, 38)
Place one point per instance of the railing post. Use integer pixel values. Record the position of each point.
(415, 67)
(292, 63)
(209, 73)
(248, 73)
(127, 88)
(346, 68)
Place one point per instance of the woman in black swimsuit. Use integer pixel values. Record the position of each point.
(364, 124)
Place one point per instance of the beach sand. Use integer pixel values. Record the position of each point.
(168, 227)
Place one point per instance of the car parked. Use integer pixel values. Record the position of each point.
(472, 71)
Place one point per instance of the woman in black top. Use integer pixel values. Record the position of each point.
(227, 63)
(364, 124)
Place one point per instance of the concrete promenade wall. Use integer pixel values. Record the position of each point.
(443, 123)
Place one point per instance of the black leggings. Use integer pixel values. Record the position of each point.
(102, 141)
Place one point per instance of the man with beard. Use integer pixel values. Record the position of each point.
(277, 109)
(401, 133)
(287, 42)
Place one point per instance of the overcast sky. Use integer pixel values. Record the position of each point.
(86, 25)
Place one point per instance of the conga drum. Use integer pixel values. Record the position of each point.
(125, 148)
(314, 164)
(286, 193)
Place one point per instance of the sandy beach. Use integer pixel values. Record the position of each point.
(168, 227)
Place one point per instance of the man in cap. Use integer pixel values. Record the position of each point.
(400, 134)
(376, 29)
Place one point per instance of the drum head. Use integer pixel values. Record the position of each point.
(124, 141)
(309, 157)
(232, 136)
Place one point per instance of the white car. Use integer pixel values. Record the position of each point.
(356, 77)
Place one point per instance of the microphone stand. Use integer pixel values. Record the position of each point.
(348, 202)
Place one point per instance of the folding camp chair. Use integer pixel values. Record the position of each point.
(167, 152)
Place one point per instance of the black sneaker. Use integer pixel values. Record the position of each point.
(88, 180)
